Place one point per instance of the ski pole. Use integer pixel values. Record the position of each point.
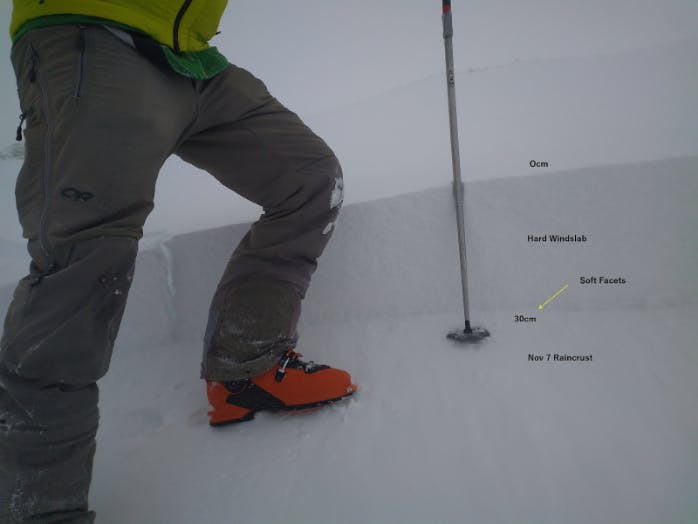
(468, 334)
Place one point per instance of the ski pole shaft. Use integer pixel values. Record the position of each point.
(458, 187)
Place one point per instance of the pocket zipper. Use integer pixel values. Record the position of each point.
(48, 166)
(22, 118)
(81, 62)
(32, 71)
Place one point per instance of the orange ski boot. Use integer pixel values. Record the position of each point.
(290, 385)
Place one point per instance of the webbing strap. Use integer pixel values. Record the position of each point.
(144, 44)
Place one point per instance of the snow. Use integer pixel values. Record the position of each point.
(438, 432)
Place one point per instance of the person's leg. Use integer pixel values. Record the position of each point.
(101, 120)
(261, 150)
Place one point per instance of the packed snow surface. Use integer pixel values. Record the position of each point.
(437, 433)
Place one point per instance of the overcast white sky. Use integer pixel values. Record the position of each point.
(316, 54)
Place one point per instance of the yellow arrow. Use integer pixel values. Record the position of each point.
(541, 306)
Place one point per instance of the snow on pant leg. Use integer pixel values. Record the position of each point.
(255, 146)
(100, 122)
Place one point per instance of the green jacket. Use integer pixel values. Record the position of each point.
(183, 25)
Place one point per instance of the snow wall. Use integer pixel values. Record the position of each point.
(398, 256)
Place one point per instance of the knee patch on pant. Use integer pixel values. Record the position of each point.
(251, 324)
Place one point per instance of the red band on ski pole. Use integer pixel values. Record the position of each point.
(447, 6)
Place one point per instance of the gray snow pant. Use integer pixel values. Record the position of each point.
(101, 120)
